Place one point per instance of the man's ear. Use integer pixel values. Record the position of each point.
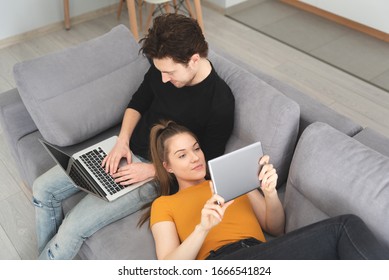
(195, 58)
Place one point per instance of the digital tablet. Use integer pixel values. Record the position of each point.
(236, 173)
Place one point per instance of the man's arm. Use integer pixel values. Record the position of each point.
(122, 147)
(139, 103)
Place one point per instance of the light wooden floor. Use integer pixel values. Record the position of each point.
(362, 102)
(359, 54)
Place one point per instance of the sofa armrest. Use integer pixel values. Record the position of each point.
(333, 174)
(15, 120)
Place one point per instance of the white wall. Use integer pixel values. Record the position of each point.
(226, 3)
(372, 13)
(20, 16)
(230, 3)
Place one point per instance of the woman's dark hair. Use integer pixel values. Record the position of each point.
(159, 135)
(176, 36)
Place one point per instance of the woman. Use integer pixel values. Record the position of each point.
(191, 225)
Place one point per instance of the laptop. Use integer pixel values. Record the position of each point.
(85, 171)
(236, 173)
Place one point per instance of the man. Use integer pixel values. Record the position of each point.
(181, 85)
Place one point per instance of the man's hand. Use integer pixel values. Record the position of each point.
(119, 151)
(134, 173)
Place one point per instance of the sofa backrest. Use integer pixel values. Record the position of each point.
(262, 113)
(311, 110)
(81, 91)
(333, 174)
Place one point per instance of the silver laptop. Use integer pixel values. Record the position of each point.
(85, 170)
(236, 173)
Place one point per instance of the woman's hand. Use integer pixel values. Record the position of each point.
(268, 208)
(268, 176)
(213, 212)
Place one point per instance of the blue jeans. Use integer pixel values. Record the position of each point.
(343, 237)
(61, 237)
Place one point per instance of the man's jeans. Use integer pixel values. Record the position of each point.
(61, 238)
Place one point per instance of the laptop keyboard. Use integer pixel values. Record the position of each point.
(93, 160)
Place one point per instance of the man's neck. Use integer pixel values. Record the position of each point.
(203, 72)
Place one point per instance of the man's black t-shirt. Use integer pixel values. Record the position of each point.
(207, 109)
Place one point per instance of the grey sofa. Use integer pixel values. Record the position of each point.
(327, 164)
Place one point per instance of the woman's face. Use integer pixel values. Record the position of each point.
(185, 159)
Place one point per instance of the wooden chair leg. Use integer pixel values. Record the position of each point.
(149, 17)
(167, 7)
(66, 14)
(175, 6)
(119, 12)
(140, 16)
(189, 8)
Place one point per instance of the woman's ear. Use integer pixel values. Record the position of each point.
(166, 166)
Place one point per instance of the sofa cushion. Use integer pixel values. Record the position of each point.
(14, 119)
(262, 113)
(35, 160)
(22, 135)
(76, 93)
(333, 174)
(123, 240)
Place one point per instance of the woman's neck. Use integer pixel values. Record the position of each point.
(184, 184)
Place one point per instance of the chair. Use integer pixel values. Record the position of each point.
(157, 4)
(153, 3)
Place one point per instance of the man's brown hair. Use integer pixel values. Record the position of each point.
(176, 36)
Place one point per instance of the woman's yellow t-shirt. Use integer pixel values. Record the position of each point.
(184, 209)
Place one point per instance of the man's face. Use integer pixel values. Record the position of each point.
(178, 74)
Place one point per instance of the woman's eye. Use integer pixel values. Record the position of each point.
(181, 156)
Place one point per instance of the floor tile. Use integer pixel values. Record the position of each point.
(382, 80)
(7, 61)
(264, 14)
(357, 53)
(17, 216)
(7, 251)
(305, 31)
(8, 185)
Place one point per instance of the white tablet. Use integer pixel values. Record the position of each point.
(236, 173)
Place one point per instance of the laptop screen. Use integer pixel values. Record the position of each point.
(62, 158)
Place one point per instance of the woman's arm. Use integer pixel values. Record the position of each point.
(166, 238)
(268, 208)
(168, 246)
